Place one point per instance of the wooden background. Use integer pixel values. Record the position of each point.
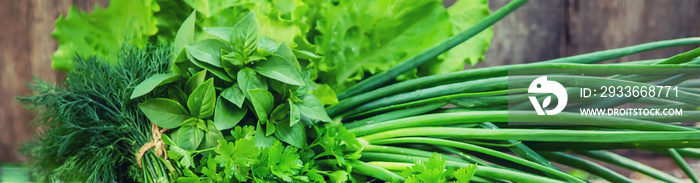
(540, 30)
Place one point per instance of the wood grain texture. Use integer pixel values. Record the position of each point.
(546, 29)
(605, 24)
(531, 33)
(26, 47)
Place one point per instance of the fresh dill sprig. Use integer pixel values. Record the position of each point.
(90, 129)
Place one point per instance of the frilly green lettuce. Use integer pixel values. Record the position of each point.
(102, 32)
(363, 37)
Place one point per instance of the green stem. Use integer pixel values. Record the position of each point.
(482, 171)
(682, 164)
(689, 152)
(683, 57)
(502, 83)
(538, 135)
(413, 62)
(406, 151)
(620, 52)
(442, 119)
(630, 164)
(462, 155)
(586, 165)
(373, 171)
(471, 147)
(495, 71)
(441, 99)
(523, 150)
(692, 83)
(397, 114)
(586, 146)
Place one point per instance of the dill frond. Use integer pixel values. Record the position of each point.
(91, 130)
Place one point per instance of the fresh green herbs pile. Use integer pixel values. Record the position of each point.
(328, 91)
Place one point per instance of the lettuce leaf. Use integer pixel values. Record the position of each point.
(364, 37)
(102, 32)
(462, 15)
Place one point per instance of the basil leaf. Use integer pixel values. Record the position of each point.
(279, 87)
(227, 115)
(263, 102)
(245, 34)
(280, 112)
(292, 134)
(280, 69)
(165, 113)
(248, 79)
(232, 62)
(325, 94)
(302, 54)
(149, 84)
(185, 34)
(234, 95)
(262, 141)
(201, 101)
(208, 51)
(166, 139)
(285, 52)
(188, 137)
(217, 71)
(194, 81)
(268, 44)
(178, 95)
(270, 128)
(224, 33)
(178, 153)
(294, 113)
(211, 136)
(313, 109)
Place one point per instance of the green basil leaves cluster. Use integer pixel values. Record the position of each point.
(232, 76)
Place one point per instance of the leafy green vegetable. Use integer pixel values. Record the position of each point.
(280, 69)
(366, 37)
(212, 136)
(244, 35)
(103, 31)
(185, 34)
(227, 115)
(202, 100)
(263, 102)
(462, 15)
(435, 170)
(188, 137)
(151, 83)
(194, 81)
(234, 94)
(163, 112)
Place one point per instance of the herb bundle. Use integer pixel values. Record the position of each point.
(247, 93)
(91, 129)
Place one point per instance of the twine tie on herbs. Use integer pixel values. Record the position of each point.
(156, 143)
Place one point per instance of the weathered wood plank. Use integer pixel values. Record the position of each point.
(532, 33)
(26, 50)
(604, 24)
